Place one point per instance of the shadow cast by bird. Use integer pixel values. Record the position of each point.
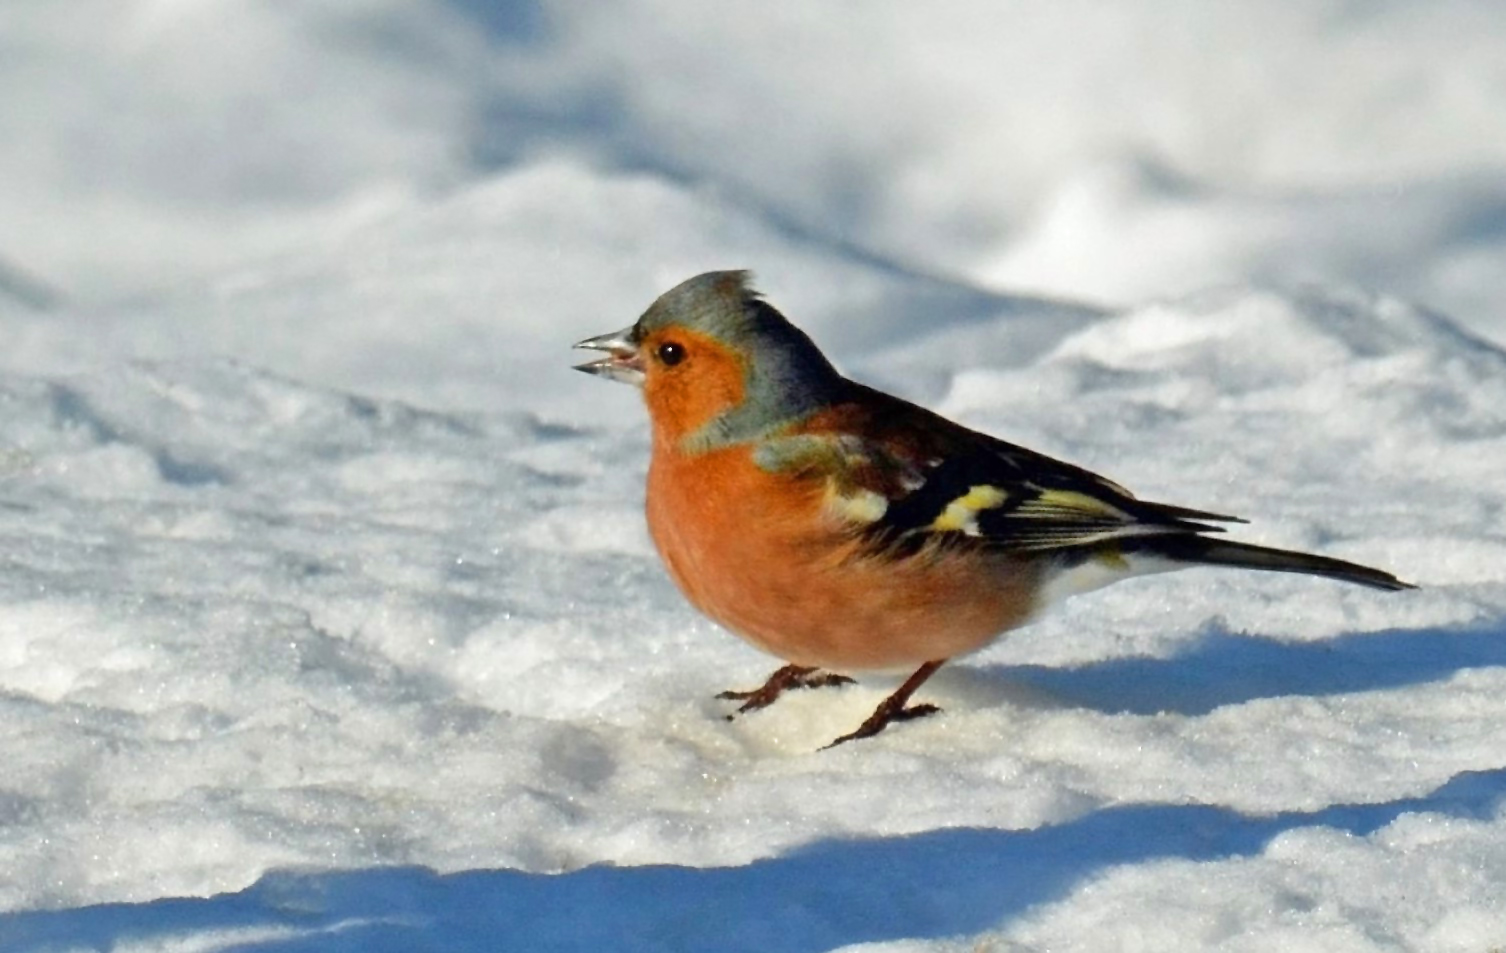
(1225, 668)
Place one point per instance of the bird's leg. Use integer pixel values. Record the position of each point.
(893, 708)
(791, 676)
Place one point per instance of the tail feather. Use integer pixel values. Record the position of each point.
(1222, 552)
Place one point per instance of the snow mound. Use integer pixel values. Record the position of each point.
(1384, 377)
(254, 625)
(1131, 229)
(512, 268)
(1313, 349)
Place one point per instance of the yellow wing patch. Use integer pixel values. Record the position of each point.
(856, 505)
(961, 515)
(1054, 504)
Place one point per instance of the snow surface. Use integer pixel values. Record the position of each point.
(328, 620)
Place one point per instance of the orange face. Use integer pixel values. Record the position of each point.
(689, 379)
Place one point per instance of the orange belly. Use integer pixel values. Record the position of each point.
(758, 553)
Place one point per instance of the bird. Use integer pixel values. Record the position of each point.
(845, 530)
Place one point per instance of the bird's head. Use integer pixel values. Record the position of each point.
(717, 364)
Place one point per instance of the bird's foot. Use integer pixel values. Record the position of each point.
(791, 676)
(881, 718)
(893, 708)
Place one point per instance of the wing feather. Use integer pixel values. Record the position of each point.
(905, 477)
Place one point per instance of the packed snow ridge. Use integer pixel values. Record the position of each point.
(254, 625)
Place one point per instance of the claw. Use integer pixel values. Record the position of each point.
(791, 676)
(893, 708)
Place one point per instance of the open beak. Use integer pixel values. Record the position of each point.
(622, 363)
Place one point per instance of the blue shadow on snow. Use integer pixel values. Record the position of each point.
(1225, 668)
(930, 885)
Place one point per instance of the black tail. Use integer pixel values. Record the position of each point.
(1221, 552)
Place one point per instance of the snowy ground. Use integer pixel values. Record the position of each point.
(328, 620)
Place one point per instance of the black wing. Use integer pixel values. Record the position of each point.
(1011, 498)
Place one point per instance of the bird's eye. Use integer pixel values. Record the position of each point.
(671, 353)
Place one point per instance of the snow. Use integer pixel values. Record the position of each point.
(328, 619)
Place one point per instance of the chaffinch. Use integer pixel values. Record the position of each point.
(842, 529)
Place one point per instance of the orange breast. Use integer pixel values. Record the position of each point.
(757, 552)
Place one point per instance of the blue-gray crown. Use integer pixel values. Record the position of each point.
(787, 375)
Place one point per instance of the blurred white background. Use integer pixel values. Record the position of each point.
(1106, 152)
